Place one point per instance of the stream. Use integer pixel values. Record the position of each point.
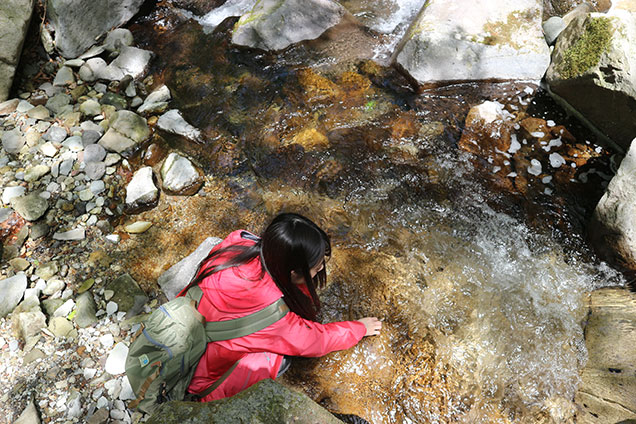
(480, 281)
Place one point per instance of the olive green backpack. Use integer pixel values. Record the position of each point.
(167, 348)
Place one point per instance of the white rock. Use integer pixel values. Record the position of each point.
(137, 227)
(75, 234)
(107, 340)
(116, 362)
(141, 189)
(111, 308)
(65, 309)
(11, 192)
(48, 149)
(173, 122)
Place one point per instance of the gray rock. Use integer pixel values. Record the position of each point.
(127, 130)
(612, 228)
(179, 176)
(90, 137)
(97, 187)
(114, 99)
(30, 207)
(132, 61)
(93, 69)
(46, 271)
(71, 235)
(265, 402)
(74, 63)
(11, 192)
(99, 417)
(24, 106)
(92, 52)
(141, 189)
(601, 84)
(91, 126)
(74, 406)
(90, 107)
(15, 16)
(29, 415)
(157, 101)
(95, 170)
(60, 326)
(173, 122)
(39, 112)
(51, 304)
(78, 23)
(12, 290)
(86, 311)
(552, 28)
(74, 143)
(5, 213)
(64, 76)
(49, 89)
(118, 38)
(66, 166)
(30, 325)
(57, 103)
(607, 392)
(276, 24)
(55, 134)
(53, 286)
(180, 274)
(94, 153)
(467, 40)
(13, 141)
(34, 173)
(127, 294)
(64, 309)
(39, 230)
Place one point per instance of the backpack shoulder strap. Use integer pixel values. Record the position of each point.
(239, 327)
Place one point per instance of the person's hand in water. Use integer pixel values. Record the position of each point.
(372, 324)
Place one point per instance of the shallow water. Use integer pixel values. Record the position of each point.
(480, 278)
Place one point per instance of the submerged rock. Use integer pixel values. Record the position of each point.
(475, 40)
(264, 402)
(276, 24)
(608, 383)
(78, 23)
(593, 70)
(127, 294)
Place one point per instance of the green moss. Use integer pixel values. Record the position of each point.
(586, 52)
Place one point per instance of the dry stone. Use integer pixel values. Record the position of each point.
(475, 40)
(15, 16)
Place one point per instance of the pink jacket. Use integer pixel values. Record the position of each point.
(239, 291)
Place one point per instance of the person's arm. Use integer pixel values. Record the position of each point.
(295, 336)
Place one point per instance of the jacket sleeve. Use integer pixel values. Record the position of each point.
(295, 336)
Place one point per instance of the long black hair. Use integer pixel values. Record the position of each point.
(290, 242)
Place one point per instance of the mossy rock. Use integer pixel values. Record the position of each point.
(128, 295)
(266, 402)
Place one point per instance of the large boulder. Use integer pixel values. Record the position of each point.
(613, 226)
(15, 16)
(264, 402)
(475, 40)
(593, 71)
(607, 392)
(277, 24)
(78, 23)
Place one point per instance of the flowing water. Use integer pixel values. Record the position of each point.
(480, 281)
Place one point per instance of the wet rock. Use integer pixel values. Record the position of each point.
(77, 23)
(29, 415)
(132, 61)
(127, 294)
(593, 71)
(608, 382)
(156, 102)
(173, 122)
(15, 16)
(12, 290)
(118, 38)
(179, 176)
(30, 207)
(266, 401)
(141, 190)
(180, 274)
(275, 25)
(468, 40)
(612, 228)
(64, 76)
(116, 362)
(114, 99)
(13, 141)
(70, 235)
(86, 310)
(127, 130)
